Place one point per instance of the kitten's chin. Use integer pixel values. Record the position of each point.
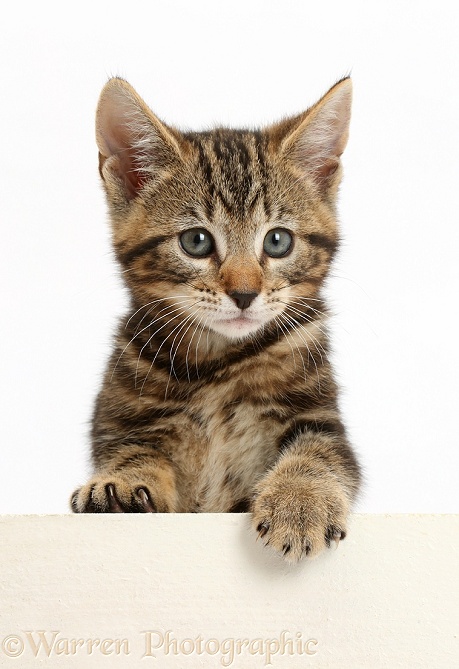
(236, 328)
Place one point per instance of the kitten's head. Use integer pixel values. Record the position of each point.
(233, 228)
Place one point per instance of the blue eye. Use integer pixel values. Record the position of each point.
(197, 242)
(277, 243)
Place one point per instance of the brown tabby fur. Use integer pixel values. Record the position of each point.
(188, 419)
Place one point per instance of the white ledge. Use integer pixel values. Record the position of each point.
(197, 590)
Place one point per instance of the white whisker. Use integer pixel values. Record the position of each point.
(188, 299)
(181, 311)
(289, 334)
(310, 320)
(182, 338)
(317, 345)
(286, 333)
(189, 345)
(172, 356)
(305, 303)
(160, 299)
(294, 323)
(197, 344)
(136, 334)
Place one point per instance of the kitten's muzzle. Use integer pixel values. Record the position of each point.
(242, 300)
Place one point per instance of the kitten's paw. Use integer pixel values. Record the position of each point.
(116, 494)
(299, 517)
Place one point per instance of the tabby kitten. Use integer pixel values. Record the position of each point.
(219, 395)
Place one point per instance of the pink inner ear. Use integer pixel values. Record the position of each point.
(134, 180)
(112, 133)
(322, 142)
(126, 169)
(317, 144)
(128, 131)
(327, 168)
(116, 136)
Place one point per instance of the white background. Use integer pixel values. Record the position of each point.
(395, 286)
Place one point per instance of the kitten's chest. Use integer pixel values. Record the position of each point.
(241, 443)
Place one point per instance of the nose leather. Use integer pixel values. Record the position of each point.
(243, 300)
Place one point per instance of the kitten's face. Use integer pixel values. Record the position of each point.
(233, 229)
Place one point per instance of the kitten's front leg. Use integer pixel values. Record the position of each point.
(302, 503)
(137, 479)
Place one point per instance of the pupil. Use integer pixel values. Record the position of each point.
(198, 238)
(276, 238)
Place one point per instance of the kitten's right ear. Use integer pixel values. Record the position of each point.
(315, 140)
(133, 143)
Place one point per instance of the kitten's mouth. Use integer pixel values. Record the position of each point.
(241, 321)
(237, 326)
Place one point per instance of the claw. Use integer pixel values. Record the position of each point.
(262, 529)
(334, 534)
(113, 501)
(337, 536)
(145, 499)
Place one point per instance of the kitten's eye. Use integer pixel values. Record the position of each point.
(197, 242)
(277, 243)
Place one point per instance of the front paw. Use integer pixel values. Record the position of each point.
(299, 516)
(115, 494)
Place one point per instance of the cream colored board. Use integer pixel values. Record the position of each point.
(197, 590)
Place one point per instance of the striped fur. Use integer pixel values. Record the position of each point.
(206, 408)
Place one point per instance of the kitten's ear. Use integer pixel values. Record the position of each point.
(316, 144)
(133, 143)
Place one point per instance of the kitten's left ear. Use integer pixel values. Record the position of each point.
(316, 144)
